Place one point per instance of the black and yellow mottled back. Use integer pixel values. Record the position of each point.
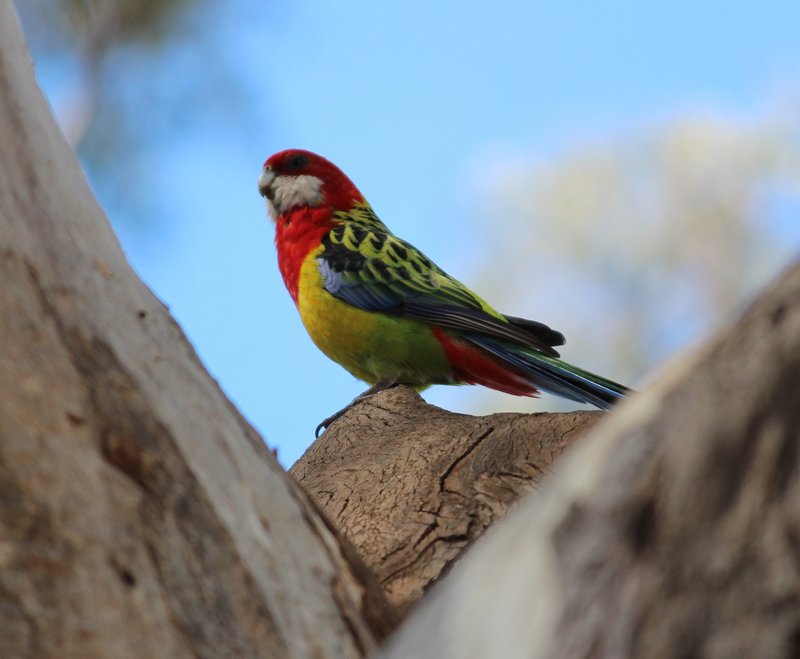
(365, 265)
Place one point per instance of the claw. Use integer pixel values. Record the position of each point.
(326, 422)
(369, 393)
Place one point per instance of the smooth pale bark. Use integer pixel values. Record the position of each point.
(672, 530)
(412, 485)
(140, 515)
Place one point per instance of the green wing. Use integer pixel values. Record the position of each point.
(367, 266)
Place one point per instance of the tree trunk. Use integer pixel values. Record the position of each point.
(672, 530)
(140, 515)
(412, 486)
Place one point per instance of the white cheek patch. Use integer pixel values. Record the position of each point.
(271, 210)
(291, 191)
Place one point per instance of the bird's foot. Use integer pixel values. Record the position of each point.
(369, 393)
(323, 425)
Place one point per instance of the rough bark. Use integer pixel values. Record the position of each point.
(140, 515)
(412, 485)
(672, 530)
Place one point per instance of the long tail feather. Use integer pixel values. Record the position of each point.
(553, 375)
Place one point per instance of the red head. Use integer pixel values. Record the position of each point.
(296, 179)
(303, 191)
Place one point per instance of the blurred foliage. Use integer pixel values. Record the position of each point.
(643, 244)
(97, 26)
(129, 75)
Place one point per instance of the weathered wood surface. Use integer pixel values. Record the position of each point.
(672, 530)
(140, 515)
(412, 485)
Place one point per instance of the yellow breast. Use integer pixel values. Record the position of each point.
(373, 346)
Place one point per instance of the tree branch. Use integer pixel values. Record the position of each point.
(412, 485)
(140, 514)
(671, 531)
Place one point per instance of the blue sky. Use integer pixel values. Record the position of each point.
(409, 98)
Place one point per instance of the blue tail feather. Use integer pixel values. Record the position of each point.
(553, 375)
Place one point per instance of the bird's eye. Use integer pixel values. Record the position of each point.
(298, 161)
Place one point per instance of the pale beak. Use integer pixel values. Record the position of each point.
(265, 182)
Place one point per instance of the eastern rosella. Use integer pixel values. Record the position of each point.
(384, 311)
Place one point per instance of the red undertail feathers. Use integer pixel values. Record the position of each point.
(473, 366)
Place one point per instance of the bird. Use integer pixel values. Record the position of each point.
(386, 312)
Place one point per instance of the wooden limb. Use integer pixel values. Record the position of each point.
(672, 530)
(412, 485)
(140, 515)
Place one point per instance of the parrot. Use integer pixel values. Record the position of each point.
(383, 310)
